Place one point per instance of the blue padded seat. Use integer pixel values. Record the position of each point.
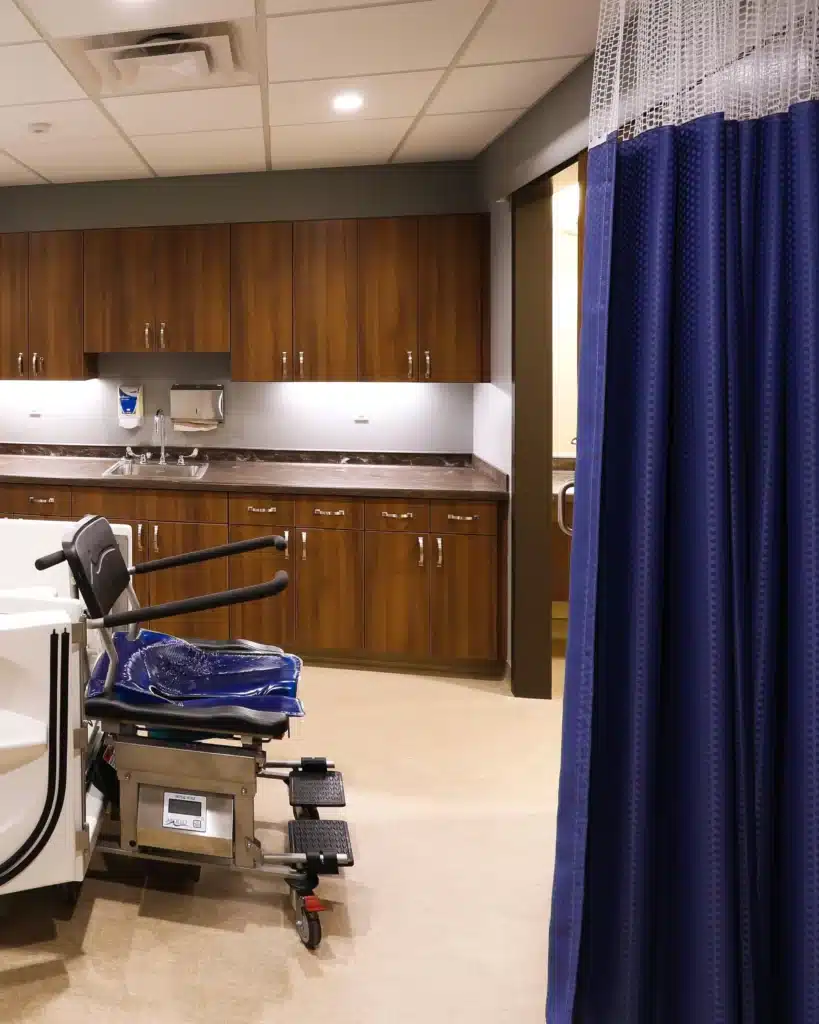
(163, 680)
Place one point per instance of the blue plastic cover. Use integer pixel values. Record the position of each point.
(160, 669)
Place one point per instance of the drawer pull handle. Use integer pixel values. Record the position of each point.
(287, 542)
(156, 540)
(421, 552)
(462, 519)
(440, 542)
(398, 515)
(261, 511)
(21, 364)
(139, 538)
(304, 545)
(325, 512)
(42, 501)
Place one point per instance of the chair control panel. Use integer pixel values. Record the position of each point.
(185, 821)
(187, 811)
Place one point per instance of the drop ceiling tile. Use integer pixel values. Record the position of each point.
(30, 73)
(369, 40)
(500, 86)
(66, 18)
(300, 6)
(454, 136)
(72, 121)
(400, 95)
(195, 110)
(222, 152)
(531, 29)
(64, 159)
(15, 26)
(338, 144)
(12, 173)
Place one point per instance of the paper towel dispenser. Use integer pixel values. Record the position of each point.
(197, 405)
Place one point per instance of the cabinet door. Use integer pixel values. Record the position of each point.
(388, 298)
(449, 297)
(55, 316)
(329, 591)
(326, 300)
(190, 580)
(396, 594)
(464, 597)
(270, 621)
(119, 290)
(261, 308)
(193, 288)
(14, 362)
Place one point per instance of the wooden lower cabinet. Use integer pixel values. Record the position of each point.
(190, 580)
(396, 594)
(271, 621)
(329, 589)
(464, 598)
(139, 553)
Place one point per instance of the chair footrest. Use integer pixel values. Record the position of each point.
(319, 837)
(316, 789)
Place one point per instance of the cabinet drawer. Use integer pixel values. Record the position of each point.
(162, 506)
(261, 510)
(35, 500)
(398, 516)
(471, 517)
(330, 513)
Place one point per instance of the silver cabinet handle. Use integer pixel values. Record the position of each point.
(409, 365)
(41, 501)
(34, 365)
(287, 542)
(463, 519)
(140, 546)
(41, 362)
(398, 515)
(421, 552)
(561, 508)
(261, 511)
(284, 366)
(324, 512)
(156, 540)
(427, 365)
(21, 364)
(301, 365)
(147, 335)
(304, 545)
(440, 543)
(162, 334)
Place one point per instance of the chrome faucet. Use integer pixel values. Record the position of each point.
(160, 435)
(181, 460)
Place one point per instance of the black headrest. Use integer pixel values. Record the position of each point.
(96, 561)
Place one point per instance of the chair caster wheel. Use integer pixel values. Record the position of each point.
(306, 812)
(308, 926)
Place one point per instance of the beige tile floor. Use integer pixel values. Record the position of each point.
(452, 789)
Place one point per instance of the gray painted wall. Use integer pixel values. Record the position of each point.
(553, 131)
(276, 195)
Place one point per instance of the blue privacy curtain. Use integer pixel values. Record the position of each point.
(687, 866)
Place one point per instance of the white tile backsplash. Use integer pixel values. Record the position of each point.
(434, 418)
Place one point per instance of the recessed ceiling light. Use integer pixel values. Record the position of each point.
(39, 127)
(347, 102)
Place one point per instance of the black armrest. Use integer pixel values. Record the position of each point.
(194, 604)
(48, 561)
(206, 554)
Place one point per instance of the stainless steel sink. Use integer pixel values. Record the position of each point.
(155, 471)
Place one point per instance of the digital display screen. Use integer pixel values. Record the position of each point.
(191, 808)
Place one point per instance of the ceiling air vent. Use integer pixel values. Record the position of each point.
(162, 61)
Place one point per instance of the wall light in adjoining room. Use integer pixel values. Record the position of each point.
(347, 102)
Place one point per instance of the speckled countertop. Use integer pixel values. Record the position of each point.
(275, 477)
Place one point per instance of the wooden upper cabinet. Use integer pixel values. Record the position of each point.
(388, 298)
(119, 290)
(55, 318)
(192, 284)
(14, 362)
(326, 300)
(450, 270)
(261, 309)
